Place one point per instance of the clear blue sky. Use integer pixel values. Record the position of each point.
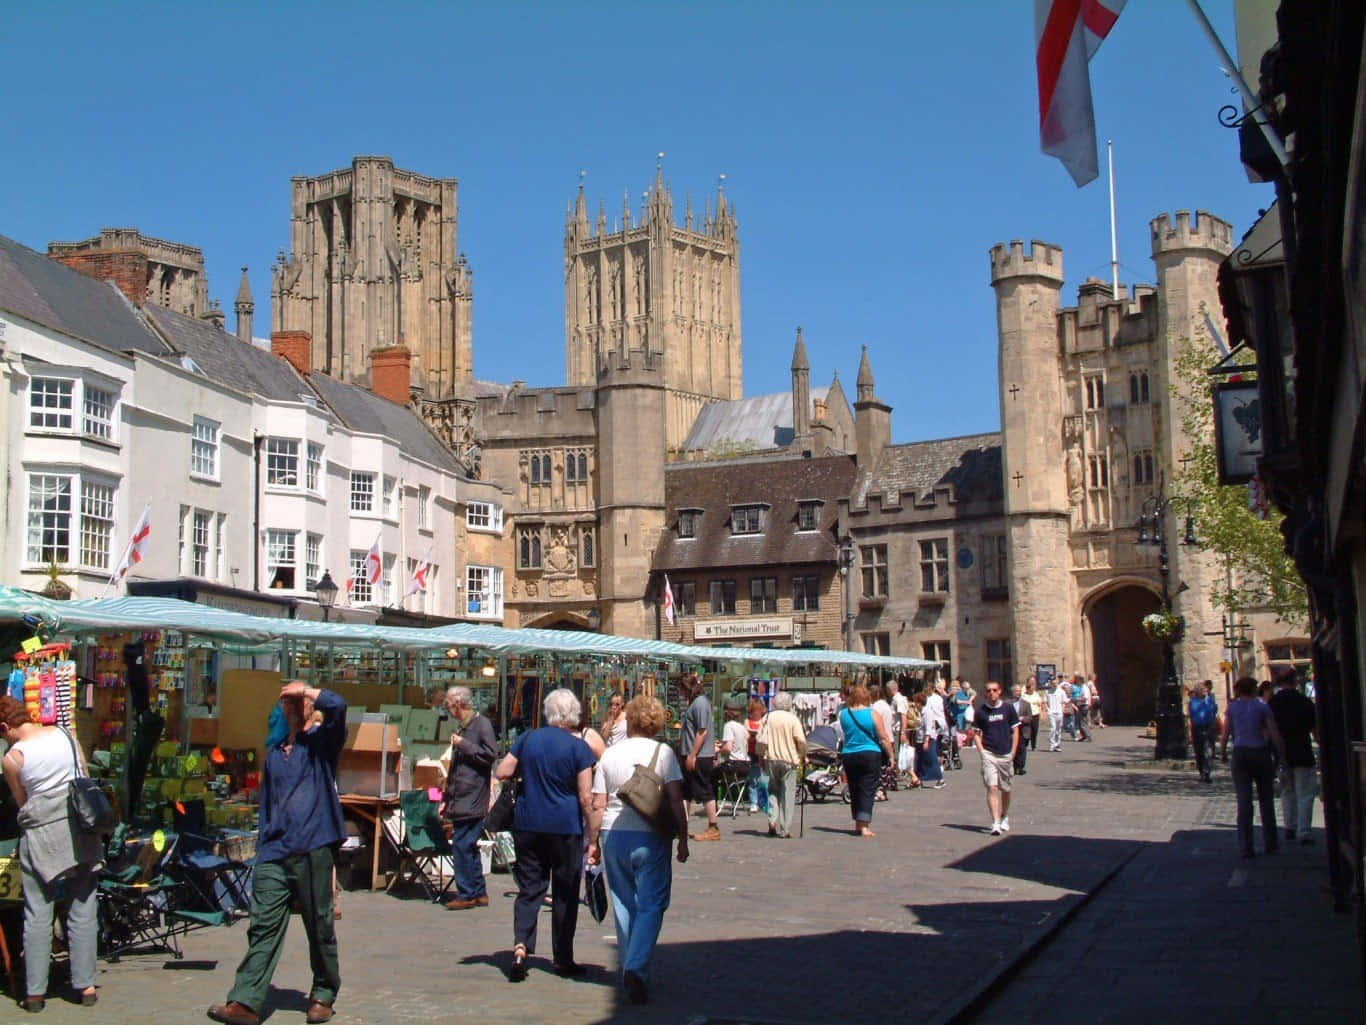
(874, 152)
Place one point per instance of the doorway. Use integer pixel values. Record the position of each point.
(1127, 663)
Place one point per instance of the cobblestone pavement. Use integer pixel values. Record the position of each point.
(830, 928)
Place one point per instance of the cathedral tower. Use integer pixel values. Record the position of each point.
(374, 263)
(655, 286)
(244, 307)
(1188, 251)
(1037, 476)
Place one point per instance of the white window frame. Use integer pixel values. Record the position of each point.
(390, 486)
(220, 523)
(361, 591)
(59, 402)
(204, 450)
(313, 559)
(97, 417)
(80, 494)
(485, 517)
(201, 534)
(362, 493)
(279, 543)
(282, 461)
(424, 501)
(483, 592)
(97, 506)
(313, 468)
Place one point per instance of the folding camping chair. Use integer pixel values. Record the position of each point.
(423, 850)
(214, 882)
(142, 907)
(732, 779)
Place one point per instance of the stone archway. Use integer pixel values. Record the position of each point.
(559, 621)
(1127, 664)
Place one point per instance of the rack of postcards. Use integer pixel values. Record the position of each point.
(49, 683)
(104, 692)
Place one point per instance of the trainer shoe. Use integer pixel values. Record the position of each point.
(941, 784)
(995, 829)
(1005, 824)
(710, 833)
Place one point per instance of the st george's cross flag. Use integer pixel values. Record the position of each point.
(668, 601)
(419, 581)
(1067, 34)
(137, 545)
(373, 567)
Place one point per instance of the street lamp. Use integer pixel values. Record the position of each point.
(325, 590)
(594, 618)
(846, 568)
(1152, 529)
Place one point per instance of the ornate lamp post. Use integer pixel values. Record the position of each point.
(846, 571)
(325, 590)
(1171, 723)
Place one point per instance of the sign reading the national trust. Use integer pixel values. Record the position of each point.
(734, 629)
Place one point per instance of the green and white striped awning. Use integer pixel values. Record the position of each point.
(93, 617)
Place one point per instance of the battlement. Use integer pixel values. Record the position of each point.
(1203, 232)
(1043, 261)
(631, 367)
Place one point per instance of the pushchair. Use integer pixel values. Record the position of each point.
(823, 774)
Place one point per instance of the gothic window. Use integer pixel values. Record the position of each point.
(1138, 388)
(545, 469)
(1095, 392)
(583, 466)
(535, 469)
(1143, 467)
(529, 548)
(1100, 472)
(588, 554)
(1143, 382)
(571, 472)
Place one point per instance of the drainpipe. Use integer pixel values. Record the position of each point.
(257, 440)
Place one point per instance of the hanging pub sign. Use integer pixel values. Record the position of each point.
(1237, 430)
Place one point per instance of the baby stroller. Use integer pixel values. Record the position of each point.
(823, 776)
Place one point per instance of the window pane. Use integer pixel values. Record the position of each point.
(314, 467)
(97, 524)
(49, 518)
(362, 492)
(204, 448)
(99, 413)
(282, 462)
(50, 403)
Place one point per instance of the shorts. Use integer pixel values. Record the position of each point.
(996, 770)
(700, 783)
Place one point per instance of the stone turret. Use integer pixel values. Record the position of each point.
(1037, 479)
(872, 417)
(243, 306)
(801, 395)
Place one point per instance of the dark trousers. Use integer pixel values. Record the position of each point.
(275, 886)
(551, 861)
(1253, 766)
(469, 873)
(1033, 734)
(1202, 739)
(863, 770)
(1022, 748)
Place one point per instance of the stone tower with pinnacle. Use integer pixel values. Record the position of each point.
(657, 286)
(244, 307)
(1036, 479)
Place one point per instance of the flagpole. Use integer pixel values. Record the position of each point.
(1253, 104)
(1114, 245)
(126, 549)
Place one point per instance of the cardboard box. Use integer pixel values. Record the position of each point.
(370, 759)
(428, 772)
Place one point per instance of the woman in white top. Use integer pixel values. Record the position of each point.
(614, 726)
(635, 856)
(883, 710)
(39, 764)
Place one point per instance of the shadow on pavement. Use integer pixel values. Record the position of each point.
(1143, 783)
(1049, 860)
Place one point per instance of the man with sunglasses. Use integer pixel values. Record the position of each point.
(996, 732)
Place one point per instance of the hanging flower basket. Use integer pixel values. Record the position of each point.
(1164, 626)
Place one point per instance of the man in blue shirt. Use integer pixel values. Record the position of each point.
(300, 828)
(1204, 715)
(997, 735)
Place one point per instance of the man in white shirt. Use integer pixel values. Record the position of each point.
(1057, 699)
(901, 706)
(936, 724)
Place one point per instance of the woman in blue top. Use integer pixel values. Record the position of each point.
(865, 740)
(1252, 728)
(961, 700)
(557, 793)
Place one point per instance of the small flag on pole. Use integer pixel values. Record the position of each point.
(1067, 35)
(668, 601)
(419, 581)
(137, 545)
(374, 562)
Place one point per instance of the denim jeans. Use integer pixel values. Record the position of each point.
(1253, 765)
(927, 765)
(469, 874)
(1202, 739)
(639, 877)
(758, 785)
(81, 927)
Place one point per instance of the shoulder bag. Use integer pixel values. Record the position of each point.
(504, 807)
(883, 757)
(86, 803)
(761, 739)
(644, 792)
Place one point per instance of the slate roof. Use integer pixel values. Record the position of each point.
(763, 420)
(972, 464)
(46, 292)
(364, 411)
(781, 483)
(225, 358)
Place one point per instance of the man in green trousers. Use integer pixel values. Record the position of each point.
(300, 828)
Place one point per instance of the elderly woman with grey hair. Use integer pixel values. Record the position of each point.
(557, 782)
(782, 746)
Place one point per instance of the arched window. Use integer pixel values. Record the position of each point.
(545, 469)
(1143, 386)
(535, 469)
(1133, 388)
(587, 548)
(526, 551)
(535, 550)
(1148, 464)
(583, 466)
(569, 468)
(1138, 469)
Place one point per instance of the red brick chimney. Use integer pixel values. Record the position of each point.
(126, 268)
(295, 348)
(390, 373)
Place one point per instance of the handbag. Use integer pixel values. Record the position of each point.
(86, 803)
(595, 892)
(504, 807)
(761, 739)
(884, 759)
(644, 792)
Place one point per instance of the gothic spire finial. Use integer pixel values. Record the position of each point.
(244, 290)
(865, 377)
(799, 360)
(659, 171)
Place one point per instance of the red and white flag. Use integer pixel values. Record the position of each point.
(668, 601)
(137, 545)
(419, 580)
(373, 567)
(1067, 35)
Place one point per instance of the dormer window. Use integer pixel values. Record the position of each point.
(688, 520)
(747, 519)
(809, 515)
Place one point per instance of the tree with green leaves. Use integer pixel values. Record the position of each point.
(1247, 540)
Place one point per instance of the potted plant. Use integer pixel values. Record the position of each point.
(1164, 626)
